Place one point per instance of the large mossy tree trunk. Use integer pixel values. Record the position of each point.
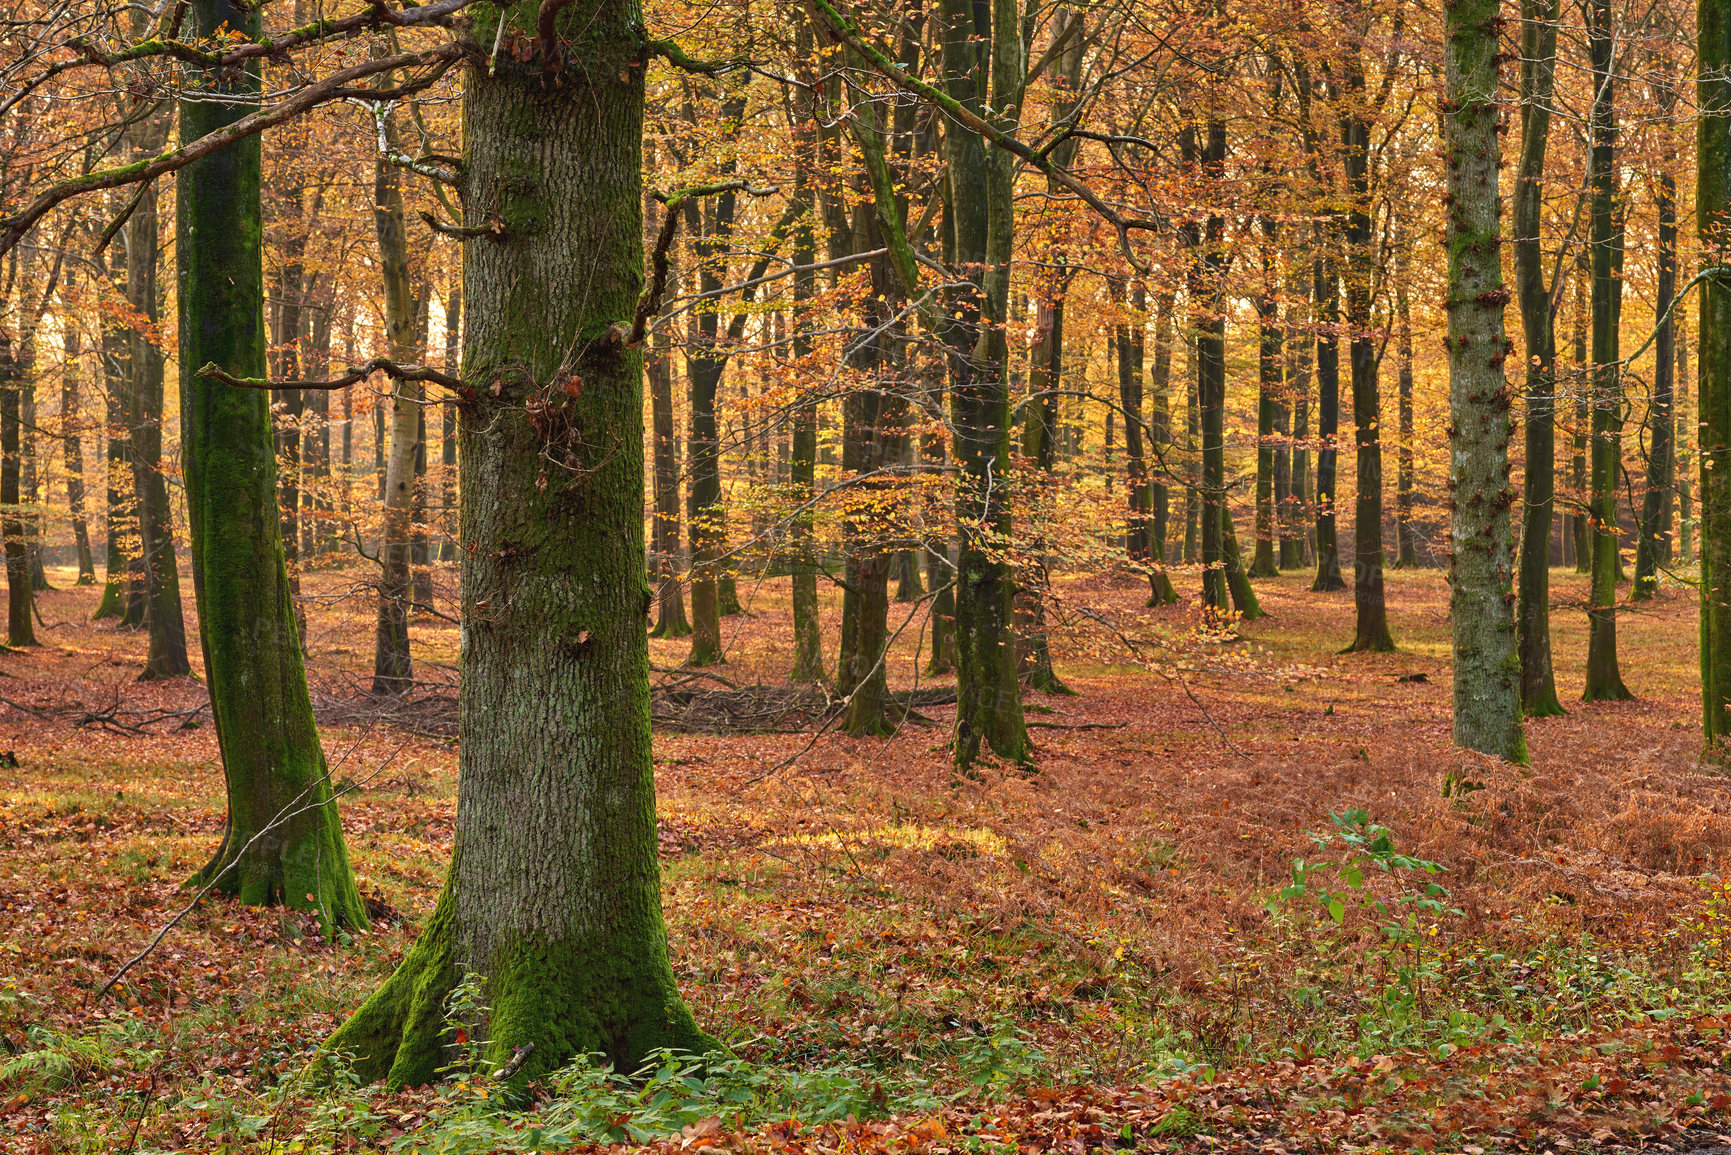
(1533, 601)
(1487, 675)
(1713, 360)
(163, 620)
(554, 893)
(1604, 679)
(282, 842)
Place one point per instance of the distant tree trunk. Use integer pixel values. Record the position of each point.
(1487, 676)
(1298, 389)
(122, 596)
(316, 538)
(802, 455)
(275, 772)
(1039, 435)
(1713, 356)
(288, 292)
(162, 612)
(670, 596)
(20, 625)
(1581, 520)
(1604, 680)
(1685, 504)
(1161, 591)
(1406, 544)
(1270, 349)
(1192, 436)
(1371, 634)
(1327, 295)
(1533, 610)
(72, 445)
(448, 426)
(1653, 543)
(1147, 516)
(1207, 269)
(708, 517)
(393, 667)
(420, 553)
(1232, 563)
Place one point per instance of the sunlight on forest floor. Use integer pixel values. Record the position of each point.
(1087, 954)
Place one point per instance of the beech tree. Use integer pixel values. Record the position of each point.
(1713, 357)
(1487, 700)
(282, 842)
(554, 895)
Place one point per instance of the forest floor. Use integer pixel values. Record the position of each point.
(902, 958)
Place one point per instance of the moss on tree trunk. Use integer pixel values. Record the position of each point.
(553, 896)
(282, 843)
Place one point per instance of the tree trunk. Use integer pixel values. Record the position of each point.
(802, 456)
(393, 666)
(1147, 503)
(670, 619)
(120, 513)
(1685, 504)
(1580, 520)
(1371, 634)
(20, 623)
(1270, 349)
(1653, 542)
(1298, 389)
(1604, 680)
(1713, 360)
(282, 842)
(448, 425)
(1533, 606)
(554, 891)
(1406, 539)
(1039, 434)
(1161, 591)
(72, 445)
(1487, 676)
(162, 612)
(1327, 296)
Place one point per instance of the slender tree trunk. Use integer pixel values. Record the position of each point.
(1039, 430)
(162, 611)
(448, 426)
(1161, 591)
(282, 842)
(1685, 504)
(1406, 543)
(20, 623)
(1713, 358)
(1270, 350)
(1487, 675)
(554, 893)
(1533, 608)
(1327, 294)
(670, 595)
(1653, 543)
(1371, 634)
(72, 445)
(1298, 388)
(1581, 520)
(802, 456)
(1147, 503)
(120, 513)
(393, 666)
(1604, 680)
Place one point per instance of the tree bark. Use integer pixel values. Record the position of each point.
(282, 843)
(1271, 340)
(1487, 675)
(20, 622)
(393, 665)
(1713, 360)
(72, 445)
(166, 657)
(1604, 679)
(1327, 296)
(1533, 606)
(1653, 541)
(554, 891)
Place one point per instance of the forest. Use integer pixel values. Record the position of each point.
(790, 577)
